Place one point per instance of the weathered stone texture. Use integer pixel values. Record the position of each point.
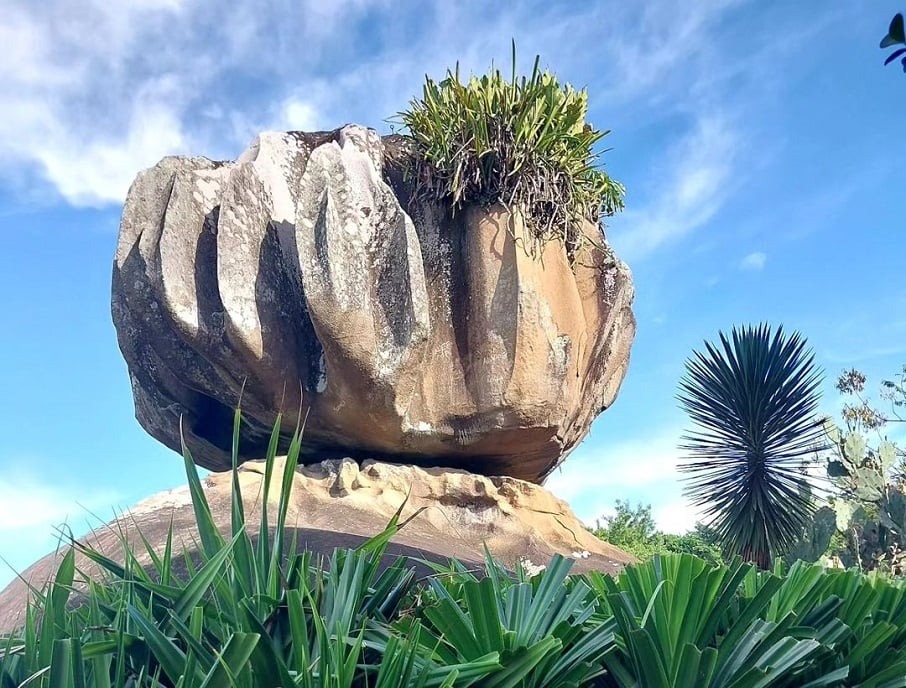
(301, 277)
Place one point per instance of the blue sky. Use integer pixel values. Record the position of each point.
(762, 145)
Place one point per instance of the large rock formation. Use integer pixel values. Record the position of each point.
(340, 504)
(305, 276)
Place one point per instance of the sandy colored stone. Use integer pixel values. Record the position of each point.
(303, 276)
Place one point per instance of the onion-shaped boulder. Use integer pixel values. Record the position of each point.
(307, 278)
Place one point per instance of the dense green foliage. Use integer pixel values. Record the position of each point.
(522, 142)
(896, 35)
(633, 530)
(683, 623)
(753, 401)
(866, 472)
(255, 615)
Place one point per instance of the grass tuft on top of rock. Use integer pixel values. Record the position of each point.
(522, 142)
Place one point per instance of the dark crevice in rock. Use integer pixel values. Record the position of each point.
(304, 343)
(393, 287)
(459, 297)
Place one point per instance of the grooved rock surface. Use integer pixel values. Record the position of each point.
(303, 276)
(339, 503)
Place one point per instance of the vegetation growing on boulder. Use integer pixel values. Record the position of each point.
(522, 142)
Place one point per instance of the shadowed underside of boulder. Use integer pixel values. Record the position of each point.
(303, 276)
(340, 504)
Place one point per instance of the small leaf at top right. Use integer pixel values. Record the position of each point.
(896, 33)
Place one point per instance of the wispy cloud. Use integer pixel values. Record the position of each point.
(856, 354)
(691, 187)
(27, 504)
(667, 54)
(642, 469)
(860, 337)
(176, 77)
(754, 261)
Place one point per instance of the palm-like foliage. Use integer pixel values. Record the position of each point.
(250, 614)
(753, 399)
(673, 622)
(260, 615)
(896, 35)
(680, 623)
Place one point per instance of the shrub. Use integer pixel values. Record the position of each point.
(633, 529)
(522, 142)
(682, 623)
(258, 615)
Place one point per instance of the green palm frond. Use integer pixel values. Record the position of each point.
(753, 400)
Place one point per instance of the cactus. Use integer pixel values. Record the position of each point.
(853, 449)
(869, 511)
(869, 484)
(816, 537)
(893, 510)
(887, 454)
(869, 506)
(860, 472)
(844, 511)
(831, 430)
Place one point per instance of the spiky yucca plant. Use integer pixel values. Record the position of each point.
(753, 400)
(522, 142)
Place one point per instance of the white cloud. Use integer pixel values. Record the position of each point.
(754, 261)
(677, 516)
(298, 115)
(100, 171)
(639, 471)
(69, 106)
(92, 92)
(691, 187)
(33, 512)
(27, 504)
(629, 465)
